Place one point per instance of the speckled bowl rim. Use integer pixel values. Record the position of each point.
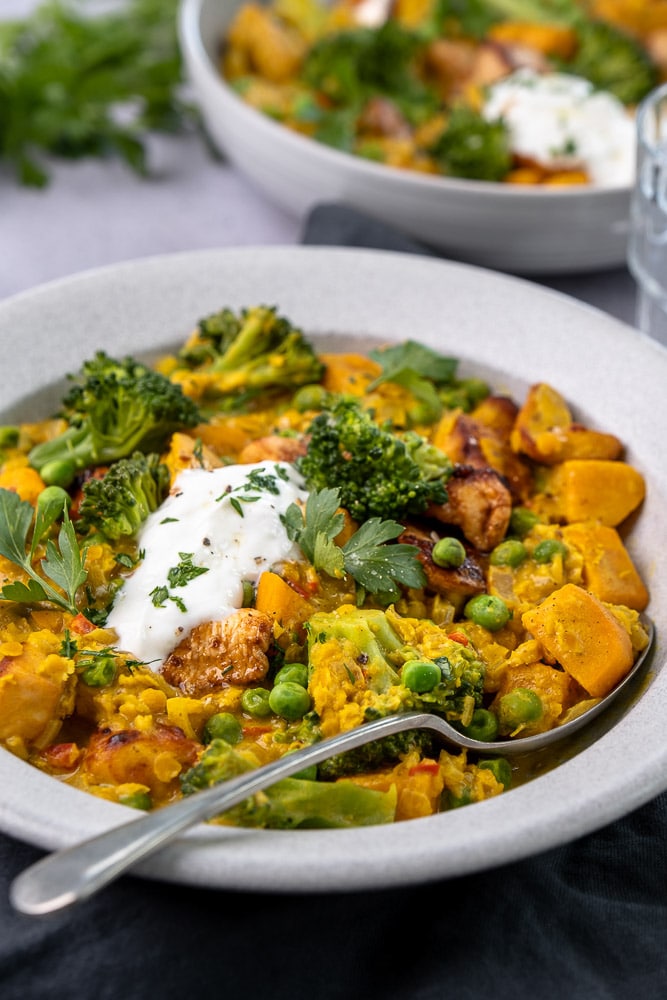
(502, 327)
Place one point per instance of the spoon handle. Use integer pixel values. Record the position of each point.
(74, 874)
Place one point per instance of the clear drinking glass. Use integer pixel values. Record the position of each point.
(647, 243)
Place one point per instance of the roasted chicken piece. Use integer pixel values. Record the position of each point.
(479, 503)
(273, 448)
(154, 759)
(467, 579)
(482, 439)
(217, 653)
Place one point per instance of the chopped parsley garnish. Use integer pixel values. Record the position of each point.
(178, 576)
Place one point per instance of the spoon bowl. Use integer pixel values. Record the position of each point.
(76, 873)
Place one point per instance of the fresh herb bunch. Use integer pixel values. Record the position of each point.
(75, 83)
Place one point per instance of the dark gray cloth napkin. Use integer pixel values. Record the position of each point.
(587, 921)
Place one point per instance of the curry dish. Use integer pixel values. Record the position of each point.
(257, 544)
(521, 92)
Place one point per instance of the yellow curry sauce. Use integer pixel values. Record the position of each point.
(536, 502)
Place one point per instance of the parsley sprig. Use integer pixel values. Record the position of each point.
(76, 82)
(377, 567)
(63, 564)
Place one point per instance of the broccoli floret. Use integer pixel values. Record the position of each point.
(114, 409)
(377, 473)
(349, 67)
(120, 502)
(356, 661)
(613, 61)
(378, 754)
(473, 147)
(247, 353)
(290, 803)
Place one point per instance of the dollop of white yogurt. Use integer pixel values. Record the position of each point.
(562, 122)
(216, 529)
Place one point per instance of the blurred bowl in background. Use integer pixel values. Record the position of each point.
(530, 230)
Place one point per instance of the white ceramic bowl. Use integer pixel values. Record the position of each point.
(509, 331)
(527, 230)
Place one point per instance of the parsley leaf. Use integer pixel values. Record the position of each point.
(62, 566)
(374, 565)
(416, 358)
(379, 567)
(315, 528)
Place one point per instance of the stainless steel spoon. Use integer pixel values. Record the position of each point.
(74, 874)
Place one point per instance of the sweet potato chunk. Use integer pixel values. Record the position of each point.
(281, 602)
(544, 430)
(576, 630)
(608, 570)
(592, 489)
(349, 373)
(184, 453)
(264, 44)
(549, 39)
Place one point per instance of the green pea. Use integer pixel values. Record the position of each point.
(296, 672)
(54, 496)
(449, 553)
(511, 553)
(476, 389)
(289, 700)
(9, 436)
(488, 611)
(547, 550)
(137, 800)
(500, 767)
(59, 472)
(255, 701)
(309, 397)
(518, 707)
(420, 675)
(426, 411)
(51, 503)
(222, 726)
(522, 521)
(456, 801)
(99, 672)
(483, 726)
